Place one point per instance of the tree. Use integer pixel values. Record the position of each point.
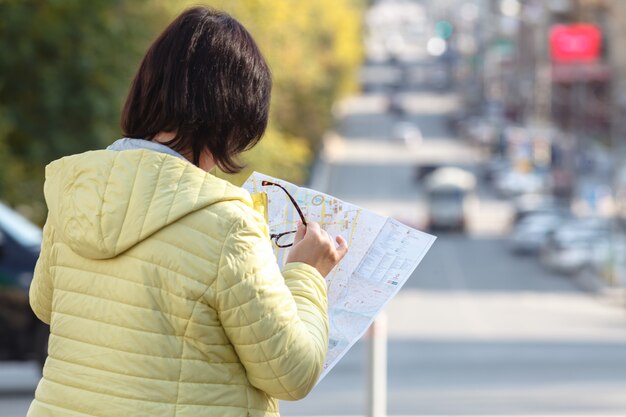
(64, 71)
(314, 50)
(65, 67)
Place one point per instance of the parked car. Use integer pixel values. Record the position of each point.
(513, 183)
(534, 203)
(569, 249)
(531, 233)
(22, 335)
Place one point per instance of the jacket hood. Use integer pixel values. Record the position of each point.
(102, 203)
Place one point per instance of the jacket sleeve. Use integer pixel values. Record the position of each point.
(40, 293)
(277, 322)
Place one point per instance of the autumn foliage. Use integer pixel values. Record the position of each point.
(66, 66)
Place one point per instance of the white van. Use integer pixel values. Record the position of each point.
(448, 191)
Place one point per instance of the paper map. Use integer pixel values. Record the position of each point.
(382, 255)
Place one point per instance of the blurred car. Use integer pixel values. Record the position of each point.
(407, 133)
(448, 191)
(531, 233)
(22, 335)
(513, 183)
(481, 131)
(569, 249)
(536, 203)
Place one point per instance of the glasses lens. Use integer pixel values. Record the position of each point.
(285, 240)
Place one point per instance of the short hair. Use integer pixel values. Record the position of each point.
(204, 78)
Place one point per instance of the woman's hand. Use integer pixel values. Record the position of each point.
(314, 247)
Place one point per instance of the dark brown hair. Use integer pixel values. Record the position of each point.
(205, 79)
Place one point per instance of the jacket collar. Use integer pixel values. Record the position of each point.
(125, 144)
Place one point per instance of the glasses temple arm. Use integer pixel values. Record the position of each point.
(290, 198)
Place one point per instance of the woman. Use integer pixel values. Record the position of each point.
(158, 279)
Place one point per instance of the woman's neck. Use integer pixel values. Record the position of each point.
(163, 137)
(205, 162)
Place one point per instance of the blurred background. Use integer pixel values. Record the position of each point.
(497, 125)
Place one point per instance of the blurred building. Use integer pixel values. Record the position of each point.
(591, 99)
(547, 66)
(582, 87)
(509, 50)
(617, 32)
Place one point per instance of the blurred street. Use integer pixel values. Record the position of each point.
(476, 330)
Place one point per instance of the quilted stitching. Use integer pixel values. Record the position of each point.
(180, 311)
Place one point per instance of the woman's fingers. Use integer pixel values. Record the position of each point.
(314, 246)
(314, 227)
(342, 247)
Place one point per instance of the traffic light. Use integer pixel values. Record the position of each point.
(444, 29)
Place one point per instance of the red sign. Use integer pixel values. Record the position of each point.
(575, 43)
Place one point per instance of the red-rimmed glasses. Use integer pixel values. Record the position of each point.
(285, 239)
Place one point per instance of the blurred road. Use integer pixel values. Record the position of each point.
(476, 330)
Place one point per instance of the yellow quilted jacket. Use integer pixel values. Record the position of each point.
(164, 297)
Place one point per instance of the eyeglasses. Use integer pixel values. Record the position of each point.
(285, 239)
